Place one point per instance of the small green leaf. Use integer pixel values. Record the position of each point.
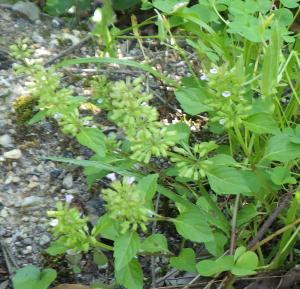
(169, 6)
(192, 100)
(106, 227)
(238, 252)
(126, 247)
(155, 243)
(92, 138)
(281, 176)
(181, 132)
(213, 267)
(193, 225)
(245, 264)
(280, 148)
(38, 116)
(99, 258)
(186, 261)
(56, 248)
(131, 275)
(148, 186)
(290, 3)
(216, 247)
(30, 277)
(247, 213)
(227, 180)
(261, 123)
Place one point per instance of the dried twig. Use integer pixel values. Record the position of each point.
(266, 225)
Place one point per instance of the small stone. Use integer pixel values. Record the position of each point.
(27, 9)
(33, 185)
(27, 250)
(27, 241)
(30, 202)
(68, 181)
(45, 239)
(6, 141)
(14, 154)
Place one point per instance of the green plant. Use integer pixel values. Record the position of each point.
(224, 186)
(30, 277)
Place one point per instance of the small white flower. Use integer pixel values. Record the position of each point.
(100, 100)
(222, 121)
(111, 176)
(69, 198)
(54, 222)
(213, 70)
(226, 93)
(57, 115)
(203, 77)
(130, 180)
(86, 122)
(94, 126)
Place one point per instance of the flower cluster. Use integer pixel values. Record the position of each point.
(70, 228)
(129, 108)
(192, 163)
(126, 205)
(227, 100)
(56, 101)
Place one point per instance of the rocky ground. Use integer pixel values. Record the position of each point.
(29, 185)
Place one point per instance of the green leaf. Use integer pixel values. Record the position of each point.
(261, 123)
(148, 186)
(30, 277)
(247, 213)
(126, 247)
(130, 276)
(281, 176)
(213, 267)
(290, 3)
(106, 227)
(239, 252)
(280, 148)
(227, 180)
(246, 264)
(155, 243)
(56, 248)
(271, 63)
(92, 138)
(181, 132)
(99, 258)
(38, 116)
(169, 6)
(192, 100)
(193, 225)
(185, 261)
(57, 7)
(216, 247)
(284, 16)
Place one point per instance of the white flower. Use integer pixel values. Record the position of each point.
(130, 180)
(54, 222)
(213, 70)
(203, 77)
(175, 120)
(57, 115)
(69, 198)
(222, 121)
(100, 100)
(111, 176)
(226, 93)
(86, 122)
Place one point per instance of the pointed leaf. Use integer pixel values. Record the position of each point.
(186, 261)
(125, 249)
(155, 243)
(130, 276)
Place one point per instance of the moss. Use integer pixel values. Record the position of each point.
(24, 108)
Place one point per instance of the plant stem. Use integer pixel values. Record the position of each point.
(233, 225)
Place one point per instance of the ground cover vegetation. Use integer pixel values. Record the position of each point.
(232, 191)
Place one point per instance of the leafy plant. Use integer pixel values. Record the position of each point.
(223, 186)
